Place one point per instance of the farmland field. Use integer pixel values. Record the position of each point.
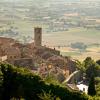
(73, 35)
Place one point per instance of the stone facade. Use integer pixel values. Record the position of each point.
(38, 36)
(12, 53)
(24, 62)
(3, 58)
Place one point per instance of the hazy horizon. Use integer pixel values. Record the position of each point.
(63, 22)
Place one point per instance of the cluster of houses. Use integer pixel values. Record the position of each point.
(35, 56)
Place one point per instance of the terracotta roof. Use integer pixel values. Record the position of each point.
(55, 58)
(17, 44)
(4, 39)
(12, 50)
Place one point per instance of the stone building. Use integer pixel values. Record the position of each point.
(24, 62)
(40, 51)
(12, 53)
(38, 36)
(6, 42)
(3, 57)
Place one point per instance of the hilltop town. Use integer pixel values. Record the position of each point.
(36, 57)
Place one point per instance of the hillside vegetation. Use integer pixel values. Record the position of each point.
(21, 83)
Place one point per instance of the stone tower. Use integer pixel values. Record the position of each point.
(38, 36)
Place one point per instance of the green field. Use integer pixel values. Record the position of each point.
(70, 53)
(73, 35)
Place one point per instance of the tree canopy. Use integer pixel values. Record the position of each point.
(22, 83)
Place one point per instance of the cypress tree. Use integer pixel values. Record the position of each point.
(91, 88)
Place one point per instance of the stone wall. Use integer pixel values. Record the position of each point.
(24, 62)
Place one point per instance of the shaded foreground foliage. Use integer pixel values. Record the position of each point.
(22, 83)
(91, 89)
